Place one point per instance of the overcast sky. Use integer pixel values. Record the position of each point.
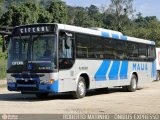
(146, 7)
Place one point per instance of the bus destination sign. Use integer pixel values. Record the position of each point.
(33, 29)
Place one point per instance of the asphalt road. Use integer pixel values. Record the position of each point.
(114, 100)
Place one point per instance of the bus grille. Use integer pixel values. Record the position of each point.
(27, 89)
(27, 75)
(27, 85)
(26, 82)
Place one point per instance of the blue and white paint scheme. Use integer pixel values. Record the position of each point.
(100, 73)
(106, 73)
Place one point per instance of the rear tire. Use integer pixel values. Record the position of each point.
(133, 85)
(81, 89)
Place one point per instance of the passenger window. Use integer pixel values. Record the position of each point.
(151, 52)
(142, 51)
(132, 49)
(83, 43)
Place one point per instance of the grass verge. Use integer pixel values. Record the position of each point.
(3, 66)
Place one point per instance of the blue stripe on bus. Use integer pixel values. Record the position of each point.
(101, 73)
(116, 36)
(105, 34)
(153, 72)
(123, 37)
(113, 74)
(54, 86)
(124, 70)
(49, 87)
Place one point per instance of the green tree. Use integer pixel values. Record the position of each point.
(121, 10)
(141, 21)
(58, 11)
(1, 6)
(85, 17)
(24, 13)
(146, 28)
(82, 18)
(71, 13)
(95, 16)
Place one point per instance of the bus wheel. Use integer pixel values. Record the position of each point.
(133, 85)
(42, 95)
(81, 89)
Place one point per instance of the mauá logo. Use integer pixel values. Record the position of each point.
(140, 66)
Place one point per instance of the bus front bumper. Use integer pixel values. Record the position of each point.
(32, 88)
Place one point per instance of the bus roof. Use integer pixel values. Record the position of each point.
(104, 33)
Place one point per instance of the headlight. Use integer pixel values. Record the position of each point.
(11, 80)
(44, 81)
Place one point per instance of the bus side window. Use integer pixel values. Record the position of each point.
(142, 51)
(66, 56)
(151, 53)
(132, 51)
(82, 52)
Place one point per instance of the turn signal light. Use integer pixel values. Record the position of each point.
(52, 81)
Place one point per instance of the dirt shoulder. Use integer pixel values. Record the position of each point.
(3, 82)
(144, 100)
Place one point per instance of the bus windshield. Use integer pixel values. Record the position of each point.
(32, 52)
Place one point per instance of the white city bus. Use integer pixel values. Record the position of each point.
(55, 58)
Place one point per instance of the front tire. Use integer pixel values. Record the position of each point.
(81, 89)
(133, 85)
